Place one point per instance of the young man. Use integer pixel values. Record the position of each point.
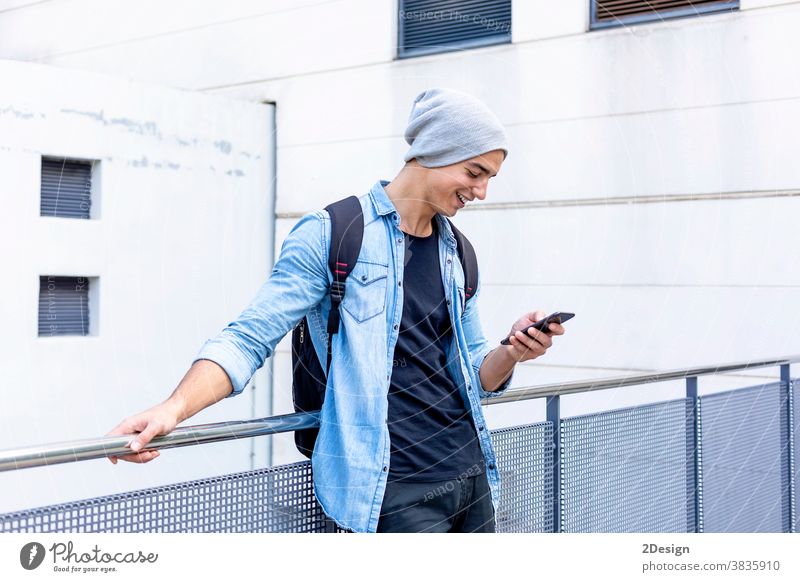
(402, 445)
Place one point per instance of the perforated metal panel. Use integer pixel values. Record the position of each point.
(525, 461)
(279, 499)
(745, 460)
(628, 470)
(795, 440)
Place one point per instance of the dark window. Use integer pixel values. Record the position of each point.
(607, 13)
(63, 305)
(436, 26)
(66, 188)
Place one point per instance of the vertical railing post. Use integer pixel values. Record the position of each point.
(786, 384)
(554, 417)
(694, 471)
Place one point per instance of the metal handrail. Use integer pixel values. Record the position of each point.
(98, 448)
(622, 381)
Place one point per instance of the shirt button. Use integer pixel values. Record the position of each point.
(385, 469)
(399, 241)
(491, 467)
(399, 283)
(395, 326)
(448, 302)
(469, 387)
(448, 261)
(480, 428)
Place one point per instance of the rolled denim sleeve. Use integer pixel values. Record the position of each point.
(477, 344)
(299, 280)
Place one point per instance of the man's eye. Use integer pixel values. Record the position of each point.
(471, 174)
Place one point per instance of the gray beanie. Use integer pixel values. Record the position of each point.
(448, 126)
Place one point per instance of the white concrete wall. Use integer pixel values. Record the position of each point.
(200, 44)
(182, 243)
(648, 114)
(610, 132)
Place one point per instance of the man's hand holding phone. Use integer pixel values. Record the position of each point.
(532, 334)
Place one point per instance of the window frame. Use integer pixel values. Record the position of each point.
(404, 53)
(686, 12)
(90, 313)
(92, 195)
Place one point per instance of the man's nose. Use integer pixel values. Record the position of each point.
(479, 192)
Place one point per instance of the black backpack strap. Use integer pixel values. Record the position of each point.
(347, 232)
(469, 262)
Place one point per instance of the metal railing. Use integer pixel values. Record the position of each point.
(720, 462)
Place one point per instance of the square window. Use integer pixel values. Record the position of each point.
(67, 189)
(67, 305)
(431, 26)
(611, 13)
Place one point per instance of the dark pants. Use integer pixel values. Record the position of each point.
(459, 505)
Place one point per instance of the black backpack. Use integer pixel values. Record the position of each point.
(347, 232)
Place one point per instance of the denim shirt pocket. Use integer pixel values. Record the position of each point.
(365, 294)
(462, 302)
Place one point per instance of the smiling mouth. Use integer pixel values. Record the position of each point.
(461, 198)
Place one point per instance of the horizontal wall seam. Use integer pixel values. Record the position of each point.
(23, 6)
(627, 285)
(175, 31)
(532, 364)
(567, 119)
(607, 32)
(608, 201)
(458, 54)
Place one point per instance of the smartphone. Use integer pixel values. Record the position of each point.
(542, 325)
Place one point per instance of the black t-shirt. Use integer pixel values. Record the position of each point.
(432, 434)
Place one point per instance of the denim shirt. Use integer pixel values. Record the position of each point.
(350, 461)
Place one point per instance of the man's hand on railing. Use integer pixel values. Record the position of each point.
(157, 421)
(205, 383)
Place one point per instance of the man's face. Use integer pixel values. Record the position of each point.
(450, 188)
